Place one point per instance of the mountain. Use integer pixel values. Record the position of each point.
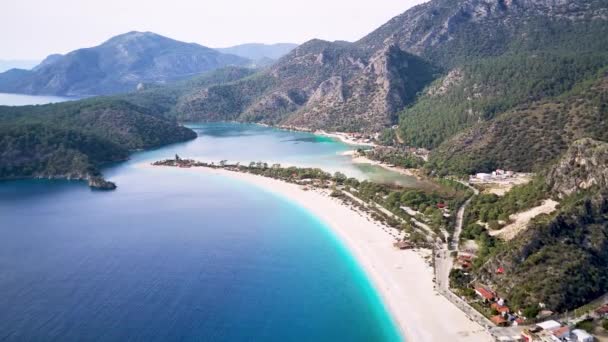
(73, 139)
(7, 64)
(320, 84)
(258, 52)
(450, 33)
(118, 65)
(529, 136)
(485, 57)
(499, 58)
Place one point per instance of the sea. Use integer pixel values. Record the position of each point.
(7, 99)
(182, 255)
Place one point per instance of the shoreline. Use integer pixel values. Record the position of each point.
(358, 159)
(402, 279)
(343, 137)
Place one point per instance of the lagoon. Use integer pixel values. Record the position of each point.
(183, 255)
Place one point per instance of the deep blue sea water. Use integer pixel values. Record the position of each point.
(180, 255)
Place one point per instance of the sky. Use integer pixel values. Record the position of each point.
(33, 29)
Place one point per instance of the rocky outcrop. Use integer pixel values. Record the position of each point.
(319, 85)
(443, 29)
(584, 166)
(98, 183)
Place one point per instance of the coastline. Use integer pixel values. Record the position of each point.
(357, 159)
(403, 279)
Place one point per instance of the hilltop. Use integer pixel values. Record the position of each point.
(118, 65)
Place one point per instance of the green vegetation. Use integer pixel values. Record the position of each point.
(42, 151)
(489, 208)
(586, 325)
(559, 260)
(393, 156)
(489, 87)
(72, 139)
(532, 136)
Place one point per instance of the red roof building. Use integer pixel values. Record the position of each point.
(602, 310)
(484, 293)
(500, 270)
(499, 320)
(501, 309)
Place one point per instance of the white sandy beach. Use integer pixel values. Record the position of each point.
(403, 278)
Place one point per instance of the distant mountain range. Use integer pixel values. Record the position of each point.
(118, 65)
(7, 64)
(257, 52)
(123, 62)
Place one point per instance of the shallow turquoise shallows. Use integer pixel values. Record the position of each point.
(178, 254)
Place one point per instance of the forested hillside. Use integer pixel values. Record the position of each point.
(72, 139)
(530, 136)
(560, 259)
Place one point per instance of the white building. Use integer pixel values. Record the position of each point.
(549, 325)
(582, 335)
(483, 176)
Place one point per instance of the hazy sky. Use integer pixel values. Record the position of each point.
(33, 29)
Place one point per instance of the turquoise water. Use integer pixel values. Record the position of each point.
(23, 100)
(177, 254)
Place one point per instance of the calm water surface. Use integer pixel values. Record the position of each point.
(182, 255)
(23, 100)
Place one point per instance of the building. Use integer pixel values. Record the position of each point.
(484, 293)
(483, 176)
(503, 310)
(537, 334)
(561, 333)
(549, 325)
(602, 311)
(499, 321)
(582, 336)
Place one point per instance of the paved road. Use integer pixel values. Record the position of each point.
(460, 218)
(443, 265)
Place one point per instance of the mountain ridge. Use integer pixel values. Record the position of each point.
(118, 65)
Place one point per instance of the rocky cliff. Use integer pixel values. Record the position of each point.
(320, 84)
(583, 167)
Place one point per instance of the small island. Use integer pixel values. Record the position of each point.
(98, 183)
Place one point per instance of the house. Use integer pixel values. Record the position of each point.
(538, 334)
(483, 176)
(499, 321)
(500, 270)
(484, 293)
(518, 321)
(502, 309)
(549, 325)
(602, 311)
(441, 205)
(582, 336)
(561, 333)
